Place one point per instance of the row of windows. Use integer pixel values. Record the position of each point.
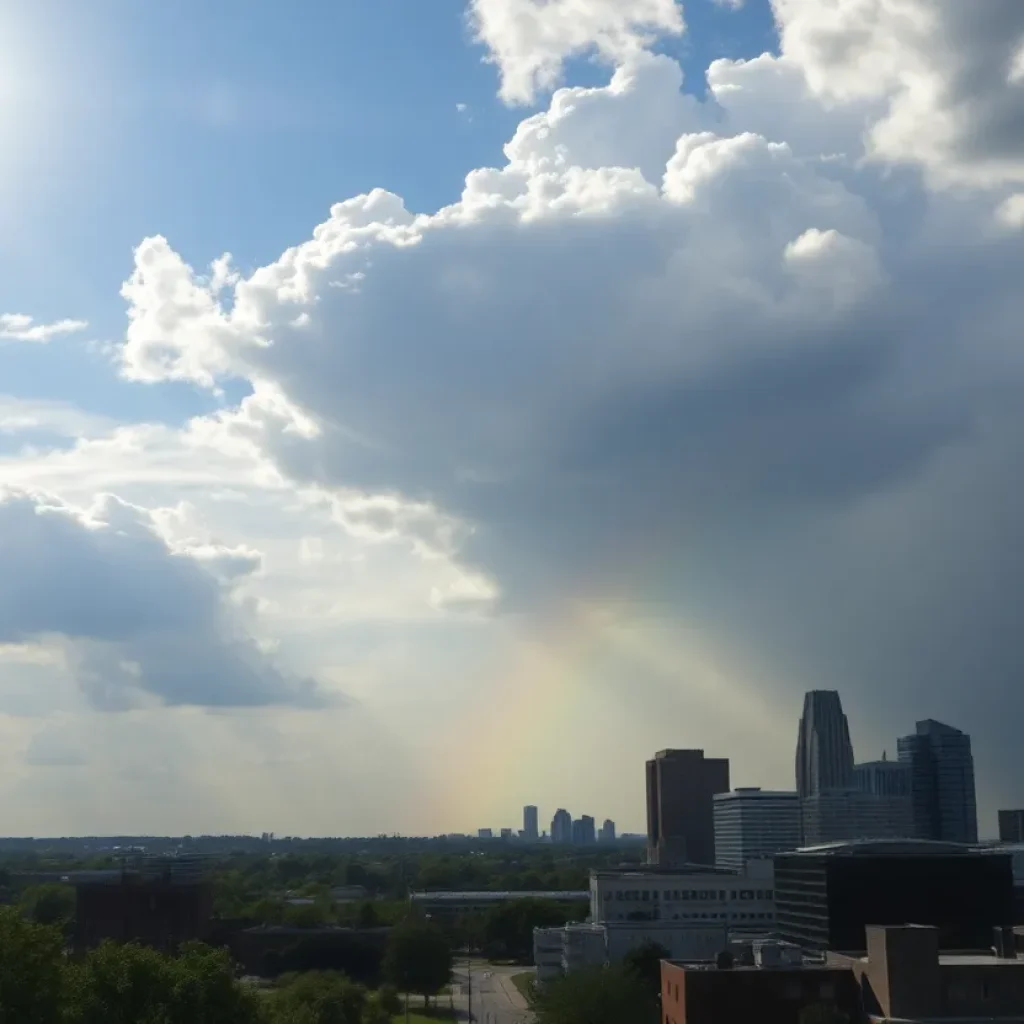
(677, 895)
(708, 917)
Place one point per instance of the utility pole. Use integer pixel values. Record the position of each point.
(469, 982)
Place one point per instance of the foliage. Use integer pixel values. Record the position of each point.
(644, 963)
(51, 903)
(31, 970)
(418, 958)
(597, 995)
(387, 997)
(318, 997)
(130, 984)
(508, 927)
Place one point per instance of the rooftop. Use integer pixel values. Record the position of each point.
(487, 896)
(647, 871)
(883, 847)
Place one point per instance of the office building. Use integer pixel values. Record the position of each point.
(583, 831)
(824, 754)
(506, 834)
(883, 778)
(484, 833)
(681, 786)
(775, 989)
(941, 782)
(846, 814)
(530, 830)
(751, 823)
(1011, 826)
(826, 896)
(561, 826)
(607, 833)
(904, 976)
(677, 898)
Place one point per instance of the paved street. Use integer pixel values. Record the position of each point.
(495, 999)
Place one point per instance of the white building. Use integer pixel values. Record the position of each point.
(753, 823)
(548, 944)
(696, 897)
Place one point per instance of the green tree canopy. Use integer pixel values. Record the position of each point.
(418, 958)
(596, 995)
(31, 970)
(318, 997)
(51, 903)
(644, 963)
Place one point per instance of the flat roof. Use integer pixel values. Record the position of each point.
(653, 870)
(484, 896)
(884, 847)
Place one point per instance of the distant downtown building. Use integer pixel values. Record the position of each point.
(751, 823)
(1011, 826)
(561, 826)
(824, 754)
(841, 815)
(607, 832)
(583, 831)
(681, 785)
(942, 782)
(530, 831)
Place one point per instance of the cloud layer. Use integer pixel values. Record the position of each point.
(138, 623)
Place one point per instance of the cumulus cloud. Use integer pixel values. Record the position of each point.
(705, 355)
(21, 327)
(138, 623)
(530, 40)
(944, 74)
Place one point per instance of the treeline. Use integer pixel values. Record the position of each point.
(131, 984)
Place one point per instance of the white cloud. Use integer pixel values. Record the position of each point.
(530, 40)
(943, 70)
(21, 327)
(1011, 212)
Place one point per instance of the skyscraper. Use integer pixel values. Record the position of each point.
(583, 831)
(561, 826)
(941, 782)
(681, 785)
(607, 832)
(824, 754)
(530, 832)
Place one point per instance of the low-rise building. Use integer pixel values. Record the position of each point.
(548, 944)
(697, 895)
(903, 976)
(456, 902)
(773, 990)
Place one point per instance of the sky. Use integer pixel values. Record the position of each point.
(411, 411)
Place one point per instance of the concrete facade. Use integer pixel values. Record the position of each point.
(753, 823)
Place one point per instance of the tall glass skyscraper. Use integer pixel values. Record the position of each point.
(824, 754)
(941, 782)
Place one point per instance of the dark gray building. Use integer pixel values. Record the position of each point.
(583, 833)
(561, 826)
(824, 754)
(941, 782)
(530, 832)
(681, 786)
(1011, 826)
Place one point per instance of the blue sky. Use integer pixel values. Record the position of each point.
(698, 397)
(233, 127)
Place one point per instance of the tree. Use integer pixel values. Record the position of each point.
(387, 997)
(51, 903)
(318, 997)
(31, 970)
(644, 963)
(130, 984)
(508, 927)
(596, 995)
(418, 958)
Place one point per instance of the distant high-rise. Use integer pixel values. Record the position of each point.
(681, 785)
(607, 833)
(530, 832)
(1011, 826)
(583, 831)
(941, 782)
(753, 823)
(561, 826)
(484, 833)
(824, 754)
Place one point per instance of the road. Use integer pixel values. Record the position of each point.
(495, 999)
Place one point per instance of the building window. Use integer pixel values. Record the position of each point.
(986, 989)
(732, 894)
(646, 895)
